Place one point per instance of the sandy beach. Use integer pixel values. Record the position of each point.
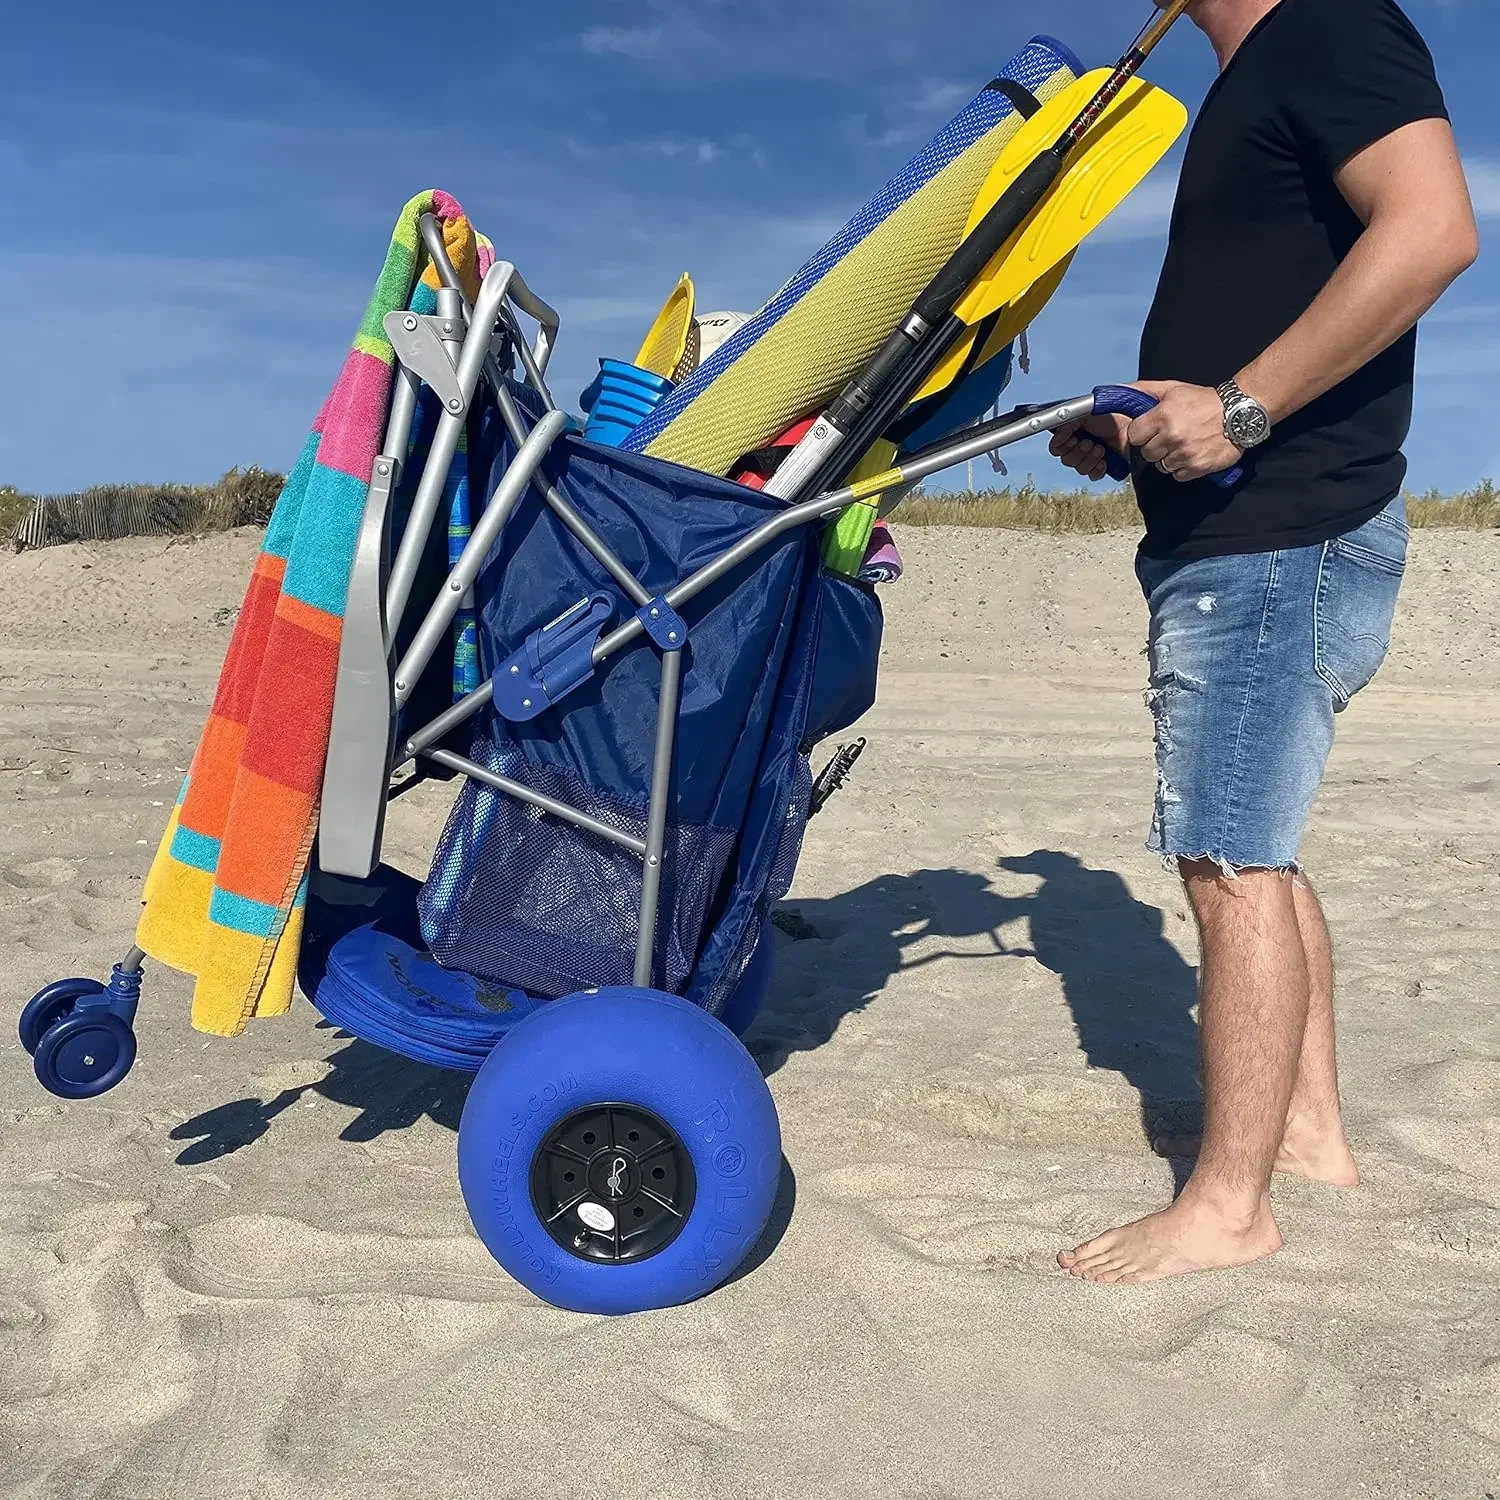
(247, 1272)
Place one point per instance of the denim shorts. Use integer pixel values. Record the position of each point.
(1251, 657)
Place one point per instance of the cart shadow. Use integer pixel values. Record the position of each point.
(387, 1091)
(1130, 993)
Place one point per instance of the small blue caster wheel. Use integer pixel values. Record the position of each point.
(619, 1151)
(85, 1054)
(51, 1005)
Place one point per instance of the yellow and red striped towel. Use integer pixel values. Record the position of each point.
(224, 900)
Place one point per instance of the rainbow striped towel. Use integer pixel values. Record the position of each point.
(224, 900)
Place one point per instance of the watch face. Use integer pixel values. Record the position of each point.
(1248, 424)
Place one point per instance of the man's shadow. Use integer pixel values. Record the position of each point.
(1130, 992)
(835, 955)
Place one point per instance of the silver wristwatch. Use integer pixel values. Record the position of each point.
(1246, 422)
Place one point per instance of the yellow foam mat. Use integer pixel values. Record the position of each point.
(808, 356)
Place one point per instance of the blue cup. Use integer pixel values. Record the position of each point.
(620, 398)
(615, 411)
(623, 405)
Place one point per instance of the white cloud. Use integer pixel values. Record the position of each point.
(701, 151)
(1459, 351)
(628, 41)
(910, 117)
(1484, 185)
(695, 149)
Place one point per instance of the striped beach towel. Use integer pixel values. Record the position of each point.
(224, 900)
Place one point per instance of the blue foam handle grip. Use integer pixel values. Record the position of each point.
(1126, 401)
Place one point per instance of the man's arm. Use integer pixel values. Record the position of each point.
(1408, 190)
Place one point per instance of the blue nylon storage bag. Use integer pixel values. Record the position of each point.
(846, 661)
(522, 898)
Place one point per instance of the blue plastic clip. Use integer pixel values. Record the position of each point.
(663, 624)
(552, 661)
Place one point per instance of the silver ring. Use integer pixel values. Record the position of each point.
(1161, 464)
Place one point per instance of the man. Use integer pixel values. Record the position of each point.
(1321, 211)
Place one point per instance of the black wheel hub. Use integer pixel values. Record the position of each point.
(612, 1183)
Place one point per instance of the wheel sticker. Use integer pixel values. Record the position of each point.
(596, 1216)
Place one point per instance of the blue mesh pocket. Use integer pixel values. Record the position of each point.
(783, 869)
(517, 896)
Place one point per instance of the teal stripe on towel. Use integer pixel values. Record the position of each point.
(196, 849)
(283, 524)
(318, 572)
(241, 914)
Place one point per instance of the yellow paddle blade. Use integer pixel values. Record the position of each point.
(1108, 164)
(663, 346)
(1016, 318)
(1111, 161)
(1019, 315)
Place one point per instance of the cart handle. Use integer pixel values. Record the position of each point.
(1127, 401)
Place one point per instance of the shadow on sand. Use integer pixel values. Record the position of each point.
(1130, 992)
(388, 1092)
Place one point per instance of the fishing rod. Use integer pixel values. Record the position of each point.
(858, 416)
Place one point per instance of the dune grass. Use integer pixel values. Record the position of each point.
(242, 497)
(13, 505)
(1473, 510)
(1025, 508)
(245, 498)
(1089, 511)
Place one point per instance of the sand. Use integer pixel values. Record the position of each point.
(247, 1272)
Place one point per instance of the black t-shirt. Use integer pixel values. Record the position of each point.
(1258, 230)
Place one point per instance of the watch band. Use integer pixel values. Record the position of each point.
(1240, 410)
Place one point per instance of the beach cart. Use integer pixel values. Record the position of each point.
(629, 663)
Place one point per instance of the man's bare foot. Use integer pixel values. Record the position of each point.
(1191, 1235)
(1318, 1150)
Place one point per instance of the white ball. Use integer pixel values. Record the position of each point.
(714, 328)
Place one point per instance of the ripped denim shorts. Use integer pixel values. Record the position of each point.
(1251, 657)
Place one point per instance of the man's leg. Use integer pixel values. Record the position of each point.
(1251, 657)
(1243, 726)
(1314, 1144)
(1254, 1006)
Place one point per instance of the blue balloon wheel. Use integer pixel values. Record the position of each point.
(619, 1151)
(84, 1055)
(49, 1006)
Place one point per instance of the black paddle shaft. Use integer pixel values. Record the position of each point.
(882, 410)
(866, 406)
(1011, 210)
(893, 360)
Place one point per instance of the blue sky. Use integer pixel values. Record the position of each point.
(201, 194)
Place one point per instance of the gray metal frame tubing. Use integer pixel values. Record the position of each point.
(453, 367)
(656, 815)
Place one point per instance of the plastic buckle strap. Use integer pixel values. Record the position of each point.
(552, 661)
(667, 629)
